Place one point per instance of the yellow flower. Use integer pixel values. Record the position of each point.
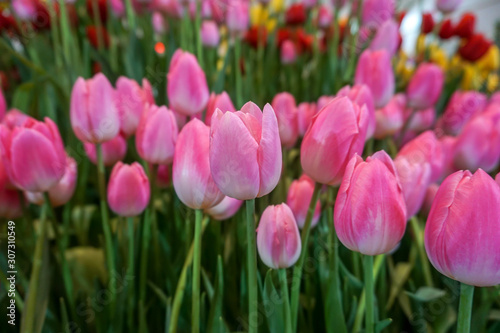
(472, 78)
(277, 6)
(491, 60)
(438, 56)
(420, 44)
(259, 16)
(492, 83)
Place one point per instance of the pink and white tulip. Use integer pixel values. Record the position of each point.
(113, 150)
(286, 112)
(298, 199)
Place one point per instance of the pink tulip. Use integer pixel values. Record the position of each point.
(113, 150)
(224, 209)
(495, 98)
(128, 189)
(278, 238)
(191, 173)
(461, 107)
(10, 205)
(420, 120)
(425, 148)
(245, 151)
(463, 229)
(131, 100)
(305, 114)
(25, 9)
(156, 135)
(286, 112)
(288, 52)
(3, 105)
(390, 118)
(337, 132)
(323, 101)
(430, 194)
(375, 70)
(15, 118)
(414, 178)
(376, 12)
(448, 6)
(370, 210)
(187, 88)
(117, 7)
(222, 102)
(93, 113)
(298, 199)
(163, 176)
(386, 38)
(325, 16)
(362, 95)
(160, 26)
(173, 8)
(33, 155)
(448, 146)
(210, 34)
(237, 16)
(425, 86)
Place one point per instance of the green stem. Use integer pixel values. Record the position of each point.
(297, 271)
(195, 315)
(130, 272)
(130, 15)
(108, 240)
(252, 267)
(199, 48)
(98, 25)
(465, 309)
(421, 251)
(354, 45)
(286, 300)
(29, 322)
(368, 273)
(237, 71)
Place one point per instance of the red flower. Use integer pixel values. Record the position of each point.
(304, 41)
(256, 34)
(92, 36)
(427, 23)
(282, 35)
(102, 7)
(446, 30)
(474, 48)
(465, 28)
(8, 23)
(296, 14)
(42, 18)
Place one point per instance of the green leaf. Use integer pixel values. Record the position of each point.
(214, 324)
(379, 326)
(426, 294)
(273, 305)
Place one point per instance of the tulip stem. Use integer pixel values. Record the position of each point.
(195, 315)
(421, 251)
(368, 272)
(297, 270)
(101, 177)
(286, 300)
(199, 48)
(237, 71)
(29, 321)
(130, 15)
(130, 271)
(252, 267)
(465, 308)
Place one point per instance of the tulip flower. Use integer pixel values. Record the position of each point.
(305, 114)
(93, 113)
(156, 135)
(25, 9)
(14, 118)
(362, 95)
(461, 107)
(375, 12)
(446, 29)
(158, 22)
(430, 194)
(375, 70)
(187, 88)
(191, 172)
(278, 238)
(113, 151)
(463, 228)
(286, 112)
(421, 120)
(325, 16)
(94, 33)
(370, 210)
(299, 196)
(390, 118)
(425, 86)
(245, 151)
(237, 16)
(475, 47)
(209, 34)
(414, 178)
(222, 102)
(295, 14)
(224, 209)
(117, 7)
(131, 100)
(324, 100)
(465, 27)
(33, 155)
(386, 38)
(288, 52)
(163, 176)
(337, 132)
(447, 6)
(427, 23)
(448, 147)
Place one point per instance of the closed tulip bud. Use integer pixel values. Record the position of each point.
(305, 114)
(446, 30)
(93, 113)
(158, 22)
(33, 155)
(222, 102)
(414, 178)
(288, 52)
(463, 229)
(390, 118)
(191, 172)
(286, 112)
(370, 210)
(375, 70)
(374, 12)
(425, 148)
(187, 88)
(421, 120)
(15, 118)
(447, 6)
(245, 151)
(425, 86)
(128, 189)
(362, 95)
(427, 23)
(3, 105)
(295, 14)
(465, 27)
(448, 146)
(475, 47)
(113, 150)
(298, 199)
(386, 38)
(156, 135)
(224, 209)
(461, 107)
(209, 34)
(131, 102)
(325, 16)
(430, 194)
(237, 16)
(278, 238)
(163, 176)
(336, 134)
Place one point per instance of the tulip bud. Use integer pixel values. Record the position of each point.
(222, 102)
(131, 100)
(286, 112)
(288, 52)
(117, 7)
(325, 16)
(237, 16)
(224, 209)
(447, 6)
(305, 114)
(26, 10)
(361, 95)
(209, 34)
(298, 199)
(427, 23)
(375, 70)
(113, 150)
(390, 118)
(245, 151)
(295, 14)
(16, 118)
(425, 86)
(187, 88)
(33, 155)
(475, 47)
(128, 189)
(191, 172)
(278, 238)
(446, 30)
(430, 194)
(370, 210)
(386, 38)
(448, 147)
(465, 27)
(10, 205)
(463, 229)
(420, 120)
(93, 113)
(337, 132)
(375, 12)
(158, 22)
(461, 107)
(156, 135)
(414, 178)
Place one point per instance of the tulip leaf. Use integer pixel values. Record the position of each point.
(215, 322)
(426, 294)
(354, 281)
(381, 325)
(272, 301)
